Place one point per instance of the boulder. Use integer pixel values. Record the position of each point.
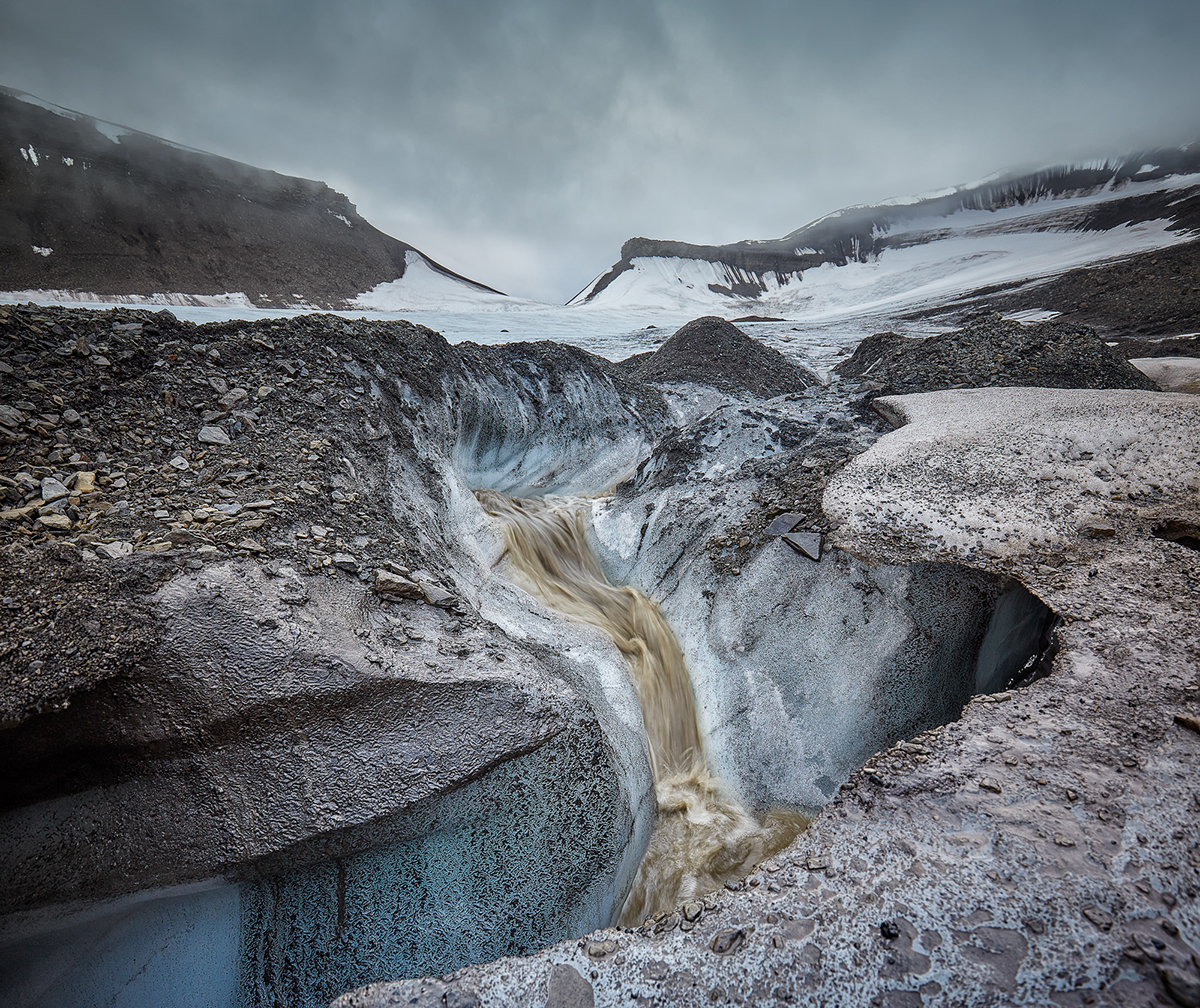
(390, 583)
(213, 436)
(53, 490)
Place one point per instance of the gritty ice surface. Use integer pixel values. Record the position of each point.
(1171, 374)
(1036, 464)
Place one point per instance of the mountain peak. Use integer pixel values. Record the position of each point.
(92, 206)
(1003, 229)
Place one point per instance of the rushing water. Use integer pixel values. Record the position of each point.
(703, 836)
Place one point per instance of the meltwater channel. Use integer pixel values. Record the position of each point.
(704, 837)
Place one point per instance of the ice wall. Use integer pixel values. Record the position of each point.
(507, 864)
(801, 669)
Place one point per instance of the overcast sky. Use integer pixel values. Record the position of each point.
(520, 142)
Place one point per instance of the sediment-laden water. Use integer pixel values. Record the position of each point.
(703, 836)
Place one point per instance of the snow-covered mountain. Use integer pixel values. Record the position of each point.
(925, 250)
(90, 210)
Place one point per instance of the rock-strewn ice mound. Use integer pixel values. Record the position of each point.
(711, 351)
(989, 351)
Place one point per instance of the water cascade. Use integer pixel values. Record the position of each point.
(704, 837)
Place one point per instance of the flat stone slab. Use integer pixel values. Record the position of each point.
(783, 523)
(213, 436)
(805, 543)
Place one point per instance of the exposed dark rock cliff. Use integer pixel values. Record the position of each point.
(88, 206)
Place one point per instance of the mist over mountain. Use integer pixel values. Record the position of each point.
(972, 239)
(90, 210)
(89, 206)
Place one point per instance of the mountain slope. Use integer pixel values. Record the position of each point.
(89, 206)
(927, 250)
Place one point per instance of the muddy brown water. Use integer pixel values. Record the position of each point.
(703, 836)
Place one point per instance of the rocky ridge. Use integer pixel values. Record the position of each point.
(93, 207)
(989, 351)
(860, 233)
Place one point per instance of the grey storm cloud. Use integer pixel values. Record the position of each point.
(521, 142)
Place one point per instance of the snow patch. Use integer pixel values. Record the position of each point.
(86, 298)
(111, 130)
(424, 287)
(1031, 316)
(899, 201)
(29, 99)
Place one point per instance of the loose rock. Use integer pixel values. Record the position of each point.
(213, 435)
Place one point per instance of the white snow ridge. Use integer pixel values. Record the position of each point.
(938, 257)
(423, 287)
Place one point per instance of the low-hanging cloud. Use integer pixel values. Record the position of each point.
(521, 142)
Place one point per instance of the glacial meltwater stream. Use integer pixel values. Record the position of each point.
(703, 836)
